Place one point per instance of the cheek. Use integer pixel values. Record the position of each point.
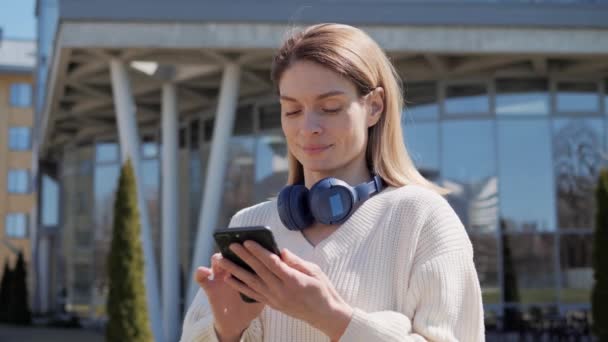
(288, 129)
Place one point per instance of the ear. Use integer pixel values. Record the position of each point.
(376, 106)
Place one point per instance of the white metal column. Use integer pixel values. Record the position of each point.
(214, 183)
(129, 145)
(170, 262)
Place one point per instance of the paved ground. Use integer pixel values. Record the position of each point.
(34, 334)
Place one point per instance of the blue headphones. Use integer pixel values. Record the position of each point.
(329, 201)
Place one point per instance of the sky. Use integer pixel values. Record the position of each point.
(17, 19)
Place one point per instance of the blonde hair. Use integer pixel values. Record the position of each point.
(351, 53)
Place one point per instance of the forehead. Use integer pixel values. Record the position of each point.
(307, 79)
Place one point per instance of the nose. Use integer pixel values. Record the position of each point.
(311, 124)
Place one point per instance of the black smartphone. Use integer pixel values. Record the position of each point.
(260, 234)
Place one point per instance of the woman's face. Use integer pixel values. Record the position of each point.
(324, 120)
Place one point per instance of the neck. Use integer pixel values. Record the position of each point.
(351, 175)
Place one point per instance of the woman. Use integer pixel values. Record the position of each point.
(398, 267)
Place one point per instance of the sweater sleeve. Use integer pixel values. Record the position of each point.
(442, 298)
(198, 324)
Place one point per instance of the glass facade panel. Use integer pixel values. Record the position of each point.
(271, 166)
(151, 189)
(522, 97)
(270, 116)
(243, 122)
(50, 202)
(421, 101)
(422, 143)
(106, 184)
(468, 169)
(529, 272)
(525, 174)
(149, 149)
(467, 99)
(576, 268)
(578, 97)
(239, 180)
(577, 157)
(195, 187)
(606, 97)
(107, 152)
(486, 262)
(187, 232)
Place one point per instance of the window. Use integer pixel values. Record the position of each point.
(194, 134)
(528, 260)
(421, 101)
(19, 138)
(18, 181)
(422, 143)
(21, 94)
(50, 201)
(149, 148)
(522, 97)
(577, 158)
(270, 116)
(577, 97)
(16, 226)
(106, 152)
(243, 122)
(576, 262)
(467, 99)
(527, 201)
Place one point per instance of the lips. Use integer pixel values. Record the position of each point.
(315, 149)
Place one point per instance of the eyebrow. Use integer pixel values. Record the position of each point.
(322, 96)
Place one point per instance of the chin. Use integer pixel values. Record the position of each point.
(318, 166)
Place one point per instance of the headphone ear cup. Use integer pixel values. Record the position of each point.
(294, 210)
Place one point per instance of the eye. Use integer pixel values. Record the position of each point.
(292, 112)
(332, 110)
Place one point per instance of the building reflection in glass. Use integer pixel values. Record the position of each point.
(525, 165)
(577, 145)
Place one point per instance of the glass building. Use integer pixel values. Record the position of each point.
(508, 112)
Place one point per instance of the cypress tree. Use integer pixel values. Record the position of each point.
(599, 293)
(18, 305)
(126, 304)
(5, 287)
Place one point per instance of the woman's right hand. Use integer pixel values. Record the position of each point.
(232, 315)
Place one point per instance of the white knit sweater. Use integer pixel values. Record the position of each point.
(403, 261)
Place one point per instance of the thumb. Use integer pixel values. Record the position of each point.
(295, 261)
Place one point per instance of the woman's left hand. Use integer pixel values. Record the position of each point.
(291, 285)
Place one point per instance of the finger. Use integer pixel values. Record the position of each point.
(257, 263)
(272, 261)
(244, 289)
(215, 265)
(295, 262)
(202, 276)
(243, 275)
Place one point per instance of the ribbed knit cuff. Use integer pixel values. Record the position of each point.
(201, 331)
(358, 328)
(204, 331)
(364, 327)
